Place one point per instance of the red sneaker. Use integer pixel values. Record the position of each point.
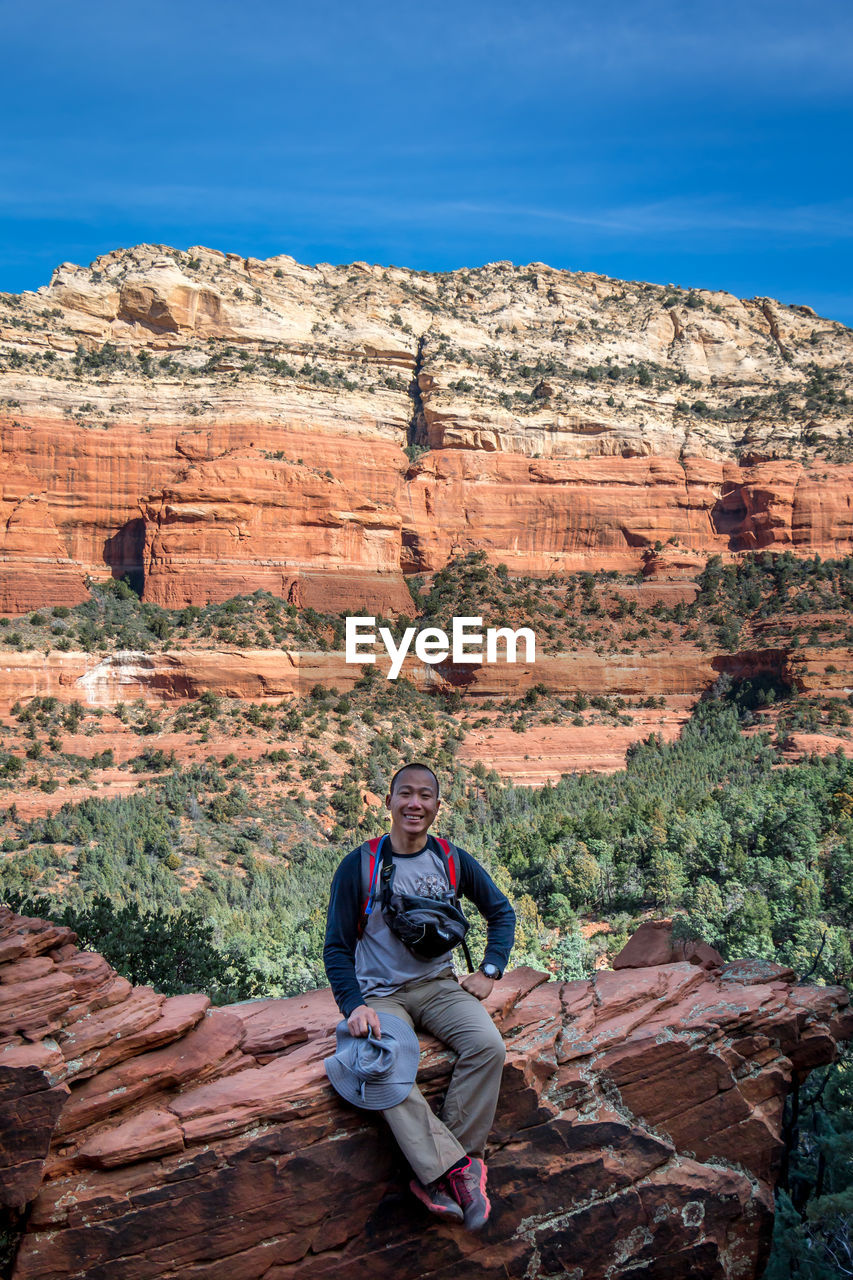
(467, 1184)
(437, 1198)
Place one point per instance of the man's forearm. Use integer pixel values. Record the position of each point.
(340, 970)
(500, 936)
(342, 936)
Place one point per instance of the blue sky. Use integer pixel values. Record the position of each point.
(700, 145)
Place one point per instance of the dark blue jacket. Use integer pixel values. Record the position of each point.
(345, 906)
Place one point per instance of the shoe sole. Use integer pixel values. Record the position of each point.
(440, 1210)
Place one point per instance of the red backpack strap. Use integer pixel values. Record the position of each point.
(451, 855)
(373, 846)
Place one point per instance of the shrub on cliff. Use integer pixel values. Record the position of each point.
(171, 951)
(571, 958)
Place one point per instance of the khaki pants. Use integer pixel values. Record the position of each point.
(456, 1018)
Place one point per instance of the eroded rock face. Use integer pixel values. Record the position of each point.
(104, 680)
(245, 522)
(211, 424)
(639, 1121)
(338, 523)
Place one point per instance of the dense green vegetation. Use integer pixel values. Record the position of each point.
(813, 1231)
(170, 950)
(767, 583)
(759, 859)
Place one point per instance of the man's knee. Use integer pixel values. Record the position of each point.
(487, 1048)
(498, 1048)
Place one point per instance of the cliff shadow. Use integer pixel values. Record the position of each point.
(123, 552)
(458, 675)
(730, 516)
(753, 679)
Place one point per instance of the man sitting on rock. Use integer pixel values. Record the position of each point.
(371, 971)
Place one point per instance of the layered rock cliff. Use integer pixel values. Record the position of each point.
(210, 425)
(639, 1127)
(105, 680)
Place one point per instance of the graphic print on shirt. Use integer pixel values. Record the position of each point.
(430, 885)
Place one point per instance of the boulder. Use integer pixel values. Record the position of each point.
(652, 943)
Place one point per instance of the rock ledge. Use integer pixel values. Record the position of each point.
(638, 1130)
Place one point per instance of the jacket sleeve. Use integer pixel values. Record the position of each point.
(342, 934)
(476, 884)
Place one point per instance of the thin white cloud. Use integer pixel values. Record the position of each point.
(349, 203)
(833, 219)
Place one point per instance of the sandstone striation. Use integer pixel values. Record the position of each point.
(639, 1122)
(173, 675)
(244, 522)
(543, 754)
(210, 424)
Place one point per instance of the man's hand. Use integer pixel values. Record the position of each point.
(363, 1020)
(477, 984)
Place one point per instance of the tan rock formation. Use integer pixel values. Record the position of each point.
(639, 1119)
(501, 353)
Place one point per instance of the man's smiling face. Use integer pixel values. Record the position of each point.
(413, 803)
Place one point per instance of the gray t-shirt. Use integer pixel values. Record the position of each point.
(382, 962)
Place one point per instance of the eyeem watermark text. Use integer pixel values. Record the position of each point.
(465, 643)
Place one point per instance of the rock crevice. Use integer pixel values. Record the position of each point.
(417, 432)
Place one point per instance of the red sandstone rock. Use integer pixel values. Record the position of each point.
(628, 1107)
(31, 547)
(544, 753)
(144, 1137)
(22, 936)
(107, 1030)
(697, 952)
(197, 1053)
(26, 970)
(652, 943)
(268, 524)
(28, 1112)
(30, 1008)
(205, 514)
(43, 1054)
(269, 1025)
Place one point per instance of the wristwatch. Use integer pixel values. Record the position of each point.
(491, 971)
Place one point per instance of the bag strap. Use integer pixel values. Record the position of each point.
(450, 862)
(386, 875)
(373, 846)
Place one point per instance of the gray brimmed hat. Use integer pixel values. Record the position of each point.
(372, 1073)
